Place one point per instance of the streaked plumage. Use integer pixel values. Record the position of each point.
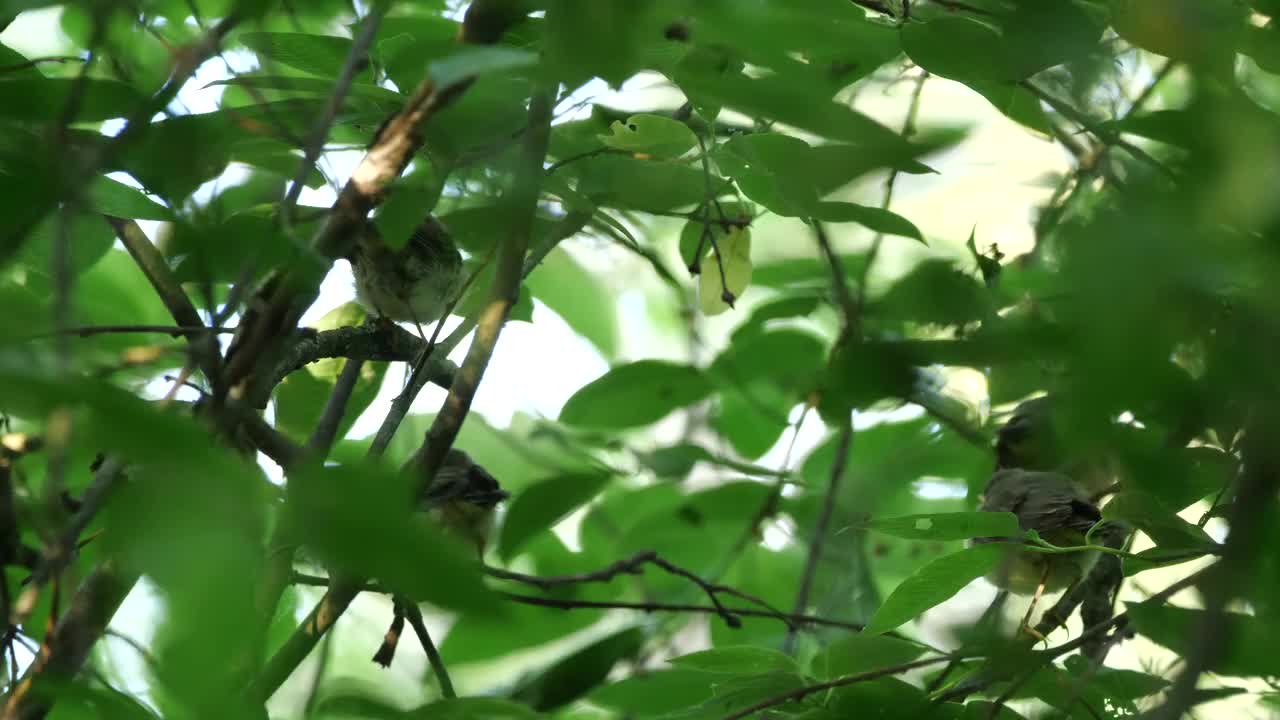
(1059, 510)
(412, 284)
(462, 498)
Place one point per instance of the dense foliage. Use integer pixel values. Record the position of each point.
(700, 191)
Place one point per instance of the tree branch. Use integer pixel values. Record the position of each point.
(433, 655)
(357, 58)
(399, 138)
(807, 690)
(63, 550)
(843, 445)
(1254, 502)
(204, 347)
(371, 341)
(188, 60)
(67, 647)
(787, 618)
(634, 566)
(522, 204)
(391, 151)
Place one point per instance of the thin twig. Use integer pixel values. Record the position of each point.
(156, 270)
(386, 652)
(572, 604)
(988, 677)
(839, 284)
(91, 330)
(357, 59)
(785, 618)
(68, 645)
(335, 409)
(801, 693)
(1103, 133)
(522, 201)
(62, 551)
(633, 566)
(433, 654)
(188, 60)
(41, 60)
(819, 538)
(1259, 481)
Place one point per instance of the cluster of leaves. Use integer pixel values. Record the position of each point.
(1147, 296)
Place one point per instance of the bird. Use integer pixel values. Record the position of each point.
(414, 283)
(1052, 487)
(463, 497)
(1060, 511)
(1033, 439)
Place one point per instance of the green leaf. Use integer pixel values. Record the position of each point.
(741, 660)
(1245, 638)
(797, 305)
(474, 708)
(115, 292)
(861, 374)
(40, 100)
(321, 55)
(91, 239)
(935, 583)
(972, 52)
(659, 137)
(1037, 36)
(653, 693)
(752, 416)
(936, 291)
(1263, 45)
(577, 674)
(1201, 32)
(648, 185)
(789, 358)
(541, 505)
(803, 107)
(111, 197)
(315, 87)
(860, 653)
(734, 693)
(585, 38)
(378, 533)
(899, 699)
(773, 170)
(877, 219)
(578, 296)
(949, 526)
(475, 61)
(726, 272)
(476, 637)
(958, 47)
(633, 395)
(1147, 513)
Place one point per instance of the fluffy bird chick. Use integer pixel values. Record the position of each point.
(462, 498)
(412, 284)
(1059, 510)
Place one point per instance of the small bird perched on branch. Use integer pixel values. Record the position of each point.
(462, 498)
(412, 284)
(1058, 509)
(1052, 488)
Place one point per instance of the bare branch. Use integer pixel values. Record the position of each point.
(357, 58)
(807, 690)
(841, 460)
(433, 655)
